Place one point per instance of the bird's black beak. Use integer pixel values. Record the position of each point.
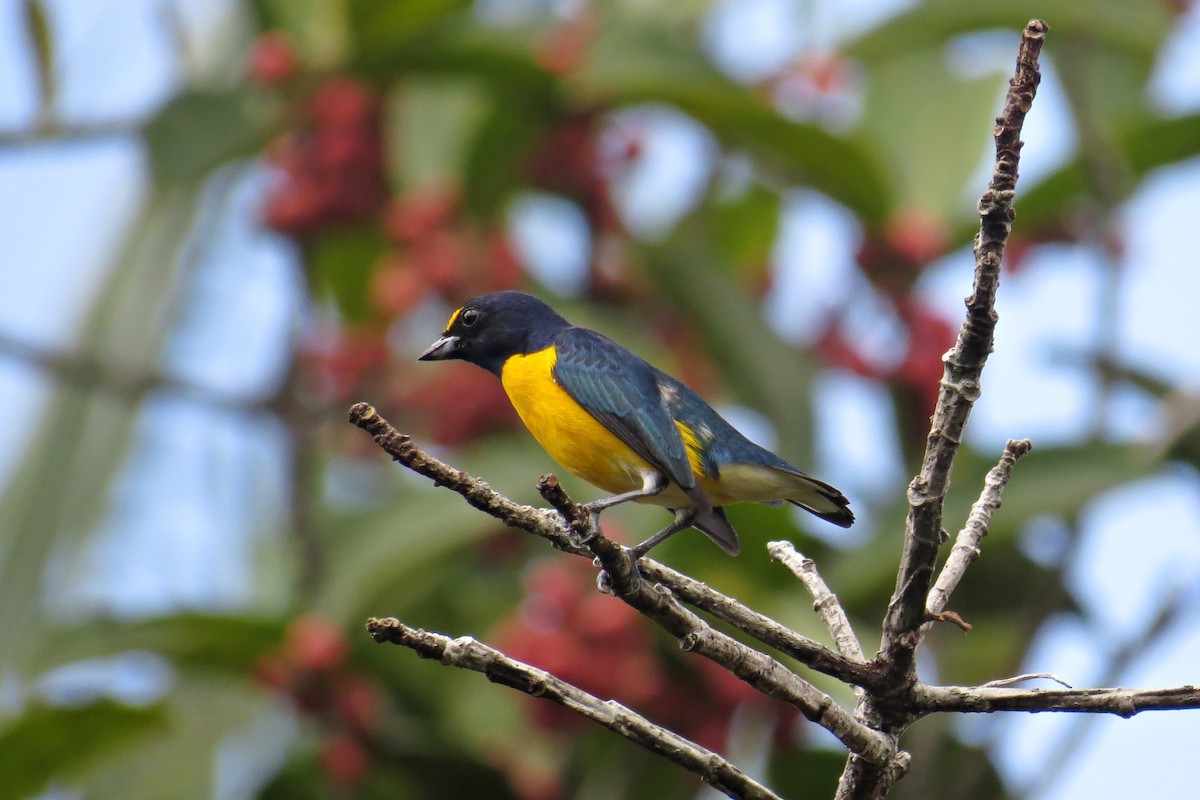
(440, 350)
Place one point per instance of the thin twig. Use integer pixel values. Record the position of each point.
(479, 494)
(1122, 702)
(966, 544)
(1174, 607)
(1001, 683)
(825, 602)
(59, 132)
(467, 653)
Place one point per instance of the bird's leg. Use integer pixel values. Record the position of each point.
(652, 483)
(684, 517)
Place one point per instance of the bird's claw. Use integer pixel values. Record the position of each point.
(580, 538)
(604, 583)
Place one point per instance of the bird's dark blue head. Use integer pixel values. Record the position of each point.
(491, 328)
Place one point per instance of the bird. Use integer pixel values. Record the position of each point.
(623, 425)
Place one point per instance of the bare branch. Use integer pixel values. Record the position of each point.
(958, 390)
(399, 446)
(825, 602)
(655, 601)
(66, 132)
(764, 673)
(123, 381)
(966, 545)
(1122, 702)
(807, 651)
(549, 526)
(1174, 607)
(467, 653)
(963, 366)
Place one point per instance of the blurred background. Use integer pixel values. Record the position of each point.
(224, 222)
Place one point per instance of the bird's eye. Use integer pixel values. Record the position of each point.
(469, 317)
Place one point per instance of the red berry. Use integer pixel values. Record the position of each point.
(825, 72)
(315, 644)
(917, 236)
(504, 270)
(273, 672)
(273, 60)
(396, 287)
(345, 102)
(357, 703)
(441, 257)
(562, 50)
(417, 214)
(344, 759)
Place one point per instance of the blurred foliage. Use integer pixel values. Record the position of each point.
(398, 137)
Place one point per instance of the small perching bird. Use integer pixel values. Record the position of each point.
(621, 424)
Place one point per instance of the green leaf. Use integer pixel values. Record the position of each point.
(378, 30)
(203, 641)
(1145, 145)
(430, 124)
(400, 547)
(1134, 27)
(629, 66)
(207, 711)
(746, 225)
(1058, 481)
(808, 775)
(59, 492)
(1050, 481)
(200, 130)
(37, 27)
(497, 59)
(932, 127)
(342, 263)
(317, 27)
(47, 743)
(494, 161)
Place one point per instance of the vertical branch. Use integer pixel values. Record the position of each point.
(963, 367)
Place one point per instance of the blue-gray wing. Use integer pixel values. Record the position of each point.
(621, 392)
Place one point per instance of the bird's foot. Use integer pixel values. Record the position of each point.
(579, 535)
(604, 581)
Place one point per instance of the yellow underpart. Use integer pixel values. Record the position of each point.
(572, 436)
(584, 447)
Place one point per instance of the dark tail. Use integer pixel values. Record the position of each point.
(716, 526)
(826, 502)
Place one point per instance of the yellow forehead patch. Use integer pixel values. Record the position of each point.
(454, 317)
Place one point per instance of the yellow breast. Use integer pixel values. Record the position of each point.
(568, 433)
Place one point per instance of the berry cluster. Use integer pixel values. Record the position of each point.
(436, 251)
(330, 170)
(330, 173)
(603, 646)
